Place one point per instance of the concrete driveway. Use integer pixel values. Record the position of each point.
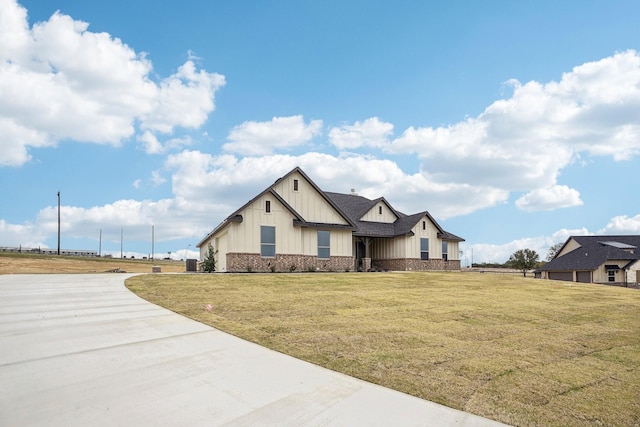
(80, 350)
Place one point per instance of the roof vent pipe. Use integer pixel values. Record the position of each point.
(353, 192)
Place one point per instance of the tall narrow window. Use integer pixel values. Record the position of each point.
(267, 206)
(267, 241)
(424, 249)
(295, 185)
(612, 275)
(380, 210)
(445, 251)
(424, 225)
(324, 239)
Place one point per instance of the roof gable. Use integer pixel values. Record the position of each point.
(325, 211)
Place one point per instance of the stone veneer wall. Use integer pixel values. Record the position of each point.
(242, 262)
(402, 264)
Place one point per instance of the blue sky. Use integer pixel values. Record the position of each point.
(516, 124)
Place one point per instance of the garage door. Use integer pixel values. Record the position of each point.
(583, 276)
(561, 275)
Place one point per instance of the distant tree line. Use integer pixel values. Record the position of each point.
(522, 259)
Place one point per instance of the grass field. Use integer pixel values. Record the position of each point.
(522, 351)
(20, 263)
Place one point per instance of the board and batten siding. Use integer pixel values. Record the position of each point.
(221, 256)
(340, 242)
(246, 234)
(431, 233)
(244, 237)
(375, 214)
(307, 201)
(571, 245)
(388, 248)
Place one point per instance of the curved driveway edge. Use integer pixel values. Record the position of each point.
(78, 350)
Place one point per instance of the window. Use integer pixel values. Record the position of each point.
(267, 241)
(424, 249)
(445, 254)
(323, 244)
(612, 275)
(295, 185)
(424, 225)
(380, 210)
(267, 206)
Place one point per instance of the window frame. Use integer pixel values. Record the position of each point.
(264, 244)
(445, 251)
(296, 186)
(612, 275)
(424, 254)
(267, 206)
(324, 250)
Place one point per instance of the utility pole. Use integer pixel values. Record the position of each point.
(100, 244)
(152, 241)
(121, 236)
(58, 223)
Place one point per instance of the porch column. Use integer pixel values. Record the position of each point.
(366, 261)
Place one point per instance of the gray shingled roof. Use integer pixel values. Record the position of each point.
(595, 251)
(355, 207)
(352, 207)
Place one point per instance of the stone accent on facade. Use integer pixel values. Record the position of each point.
(413, 264)
(242, 262)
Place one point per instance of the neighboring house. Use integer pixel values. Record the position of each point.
(295, 226)
(613, 260)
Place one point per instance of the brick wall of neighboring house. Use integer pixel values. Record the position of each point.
(402, 264)
(242, 262)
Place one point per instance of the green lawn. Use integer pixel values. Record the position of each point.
(522, 351)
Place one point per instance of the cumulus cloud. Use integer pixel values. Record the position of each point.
(25, 235)
(171, 219)
(622, 224)
(500, 253)
(369, 133)
(523, 142)
(263, 138)
(152, 145)
(59, 81)
(551, 198)
(226, 181)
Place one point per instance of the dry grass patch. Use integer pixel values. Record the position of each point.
(522, 351)
(17, 263)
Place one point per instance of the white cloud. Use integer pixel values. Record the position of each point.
(622, 224)
(523, 142)
(369, 133)
(227, 182)
(60, 81)
(263, 138)
(25, 235)
(137, 184)
(551, 198)
(500, 253)
(157, 178)
(152, 145)
(171, 218)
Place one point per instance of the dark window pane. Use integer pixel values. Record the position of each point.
(323, 238)
(267, 234)
(268, 250)
(323, 253)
